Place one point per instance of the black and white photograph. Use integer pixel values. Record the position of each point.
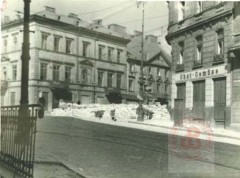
(120, 89)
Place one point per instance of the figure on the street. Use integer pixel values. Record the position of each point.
(112, 113)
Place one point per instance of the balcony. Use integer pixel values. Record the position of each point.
(218, 58)
(179, 67)
(162, 95)
(197, 64)
(112, 90)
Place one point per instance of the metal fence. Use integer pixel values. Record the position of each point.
(18, 139)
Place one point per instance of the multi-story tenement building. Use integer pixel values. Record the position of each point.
(70, 59)
(156, 69)
(234, 57)
(200, 34)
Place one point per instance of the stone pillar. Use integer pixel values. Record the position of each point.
(209, 100)
(189, 95)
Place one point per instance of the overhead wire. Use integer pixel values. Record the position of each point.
(117, 5)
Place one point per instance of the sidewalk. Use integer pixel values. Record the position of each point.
(163, 126)
(219, 134)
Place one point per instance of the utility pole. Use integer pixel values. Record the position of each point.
(141, 82)
(23, 110)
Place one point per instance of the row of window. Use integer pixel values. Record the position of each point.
(85, 48)
(86, 75)
(182, 8)
(148, 70)
(199, 46)
(14, 73)
(14, 44)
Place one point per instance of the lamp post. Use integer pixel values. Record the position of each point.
(141, 82)
(23, 110)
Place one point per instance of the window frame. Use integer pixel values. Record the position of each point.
(44, 38)
(110, 53)
(181, 46)
(14, 72)
(41, 72)
(68, 45)
(119, 80)
(220, 41)
(56, 73)
(100, 78)
(69, 73)
(85, 48)
(110, 79)
(56, 47)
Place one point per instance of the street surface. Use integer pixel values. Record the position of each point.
(105, 151)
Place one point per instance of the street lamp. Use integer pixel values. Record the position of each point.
(141, 82)
(23, 110)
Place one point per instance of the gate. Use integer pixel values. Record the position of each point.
(18, 140)
(199, 99)
(179, 102)
(219, 100)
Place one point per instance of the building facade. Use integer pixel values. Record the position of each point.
(156, 69)
(200, 34)
(70, 59)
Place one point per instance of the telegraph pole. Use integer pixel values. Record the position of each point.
(141, 82)
(25, 60)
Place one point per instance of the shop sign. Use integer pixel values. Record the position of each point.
(201, 73)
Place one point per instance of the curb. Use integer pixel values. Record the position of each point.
(58, 164)
(166, 127)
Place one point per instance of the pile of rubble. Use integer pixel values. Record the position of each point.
(122, 112)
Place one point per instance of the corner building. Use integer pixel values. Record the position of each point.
(70, 59)
(200, 34)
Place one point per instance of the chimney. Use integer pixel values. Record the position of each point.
(96, 23)
(18, 16)
(6, 19)
(137, 33)
(50, 9)
(117, 28)
(151, 39)
(72, 15)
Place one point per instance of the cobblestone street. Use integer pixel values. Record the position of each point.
(98, 150)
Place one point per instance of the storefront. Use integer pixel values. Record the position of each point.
(203, 94)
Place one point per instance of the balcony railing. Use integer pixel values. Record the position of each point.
(219, 58)
(112, 90)
(179, 67)
(197, 64)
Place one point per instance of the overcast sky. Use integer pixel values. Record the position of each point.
(123, 12)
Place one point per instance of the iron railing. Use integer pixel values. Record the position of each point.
(18, 139)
